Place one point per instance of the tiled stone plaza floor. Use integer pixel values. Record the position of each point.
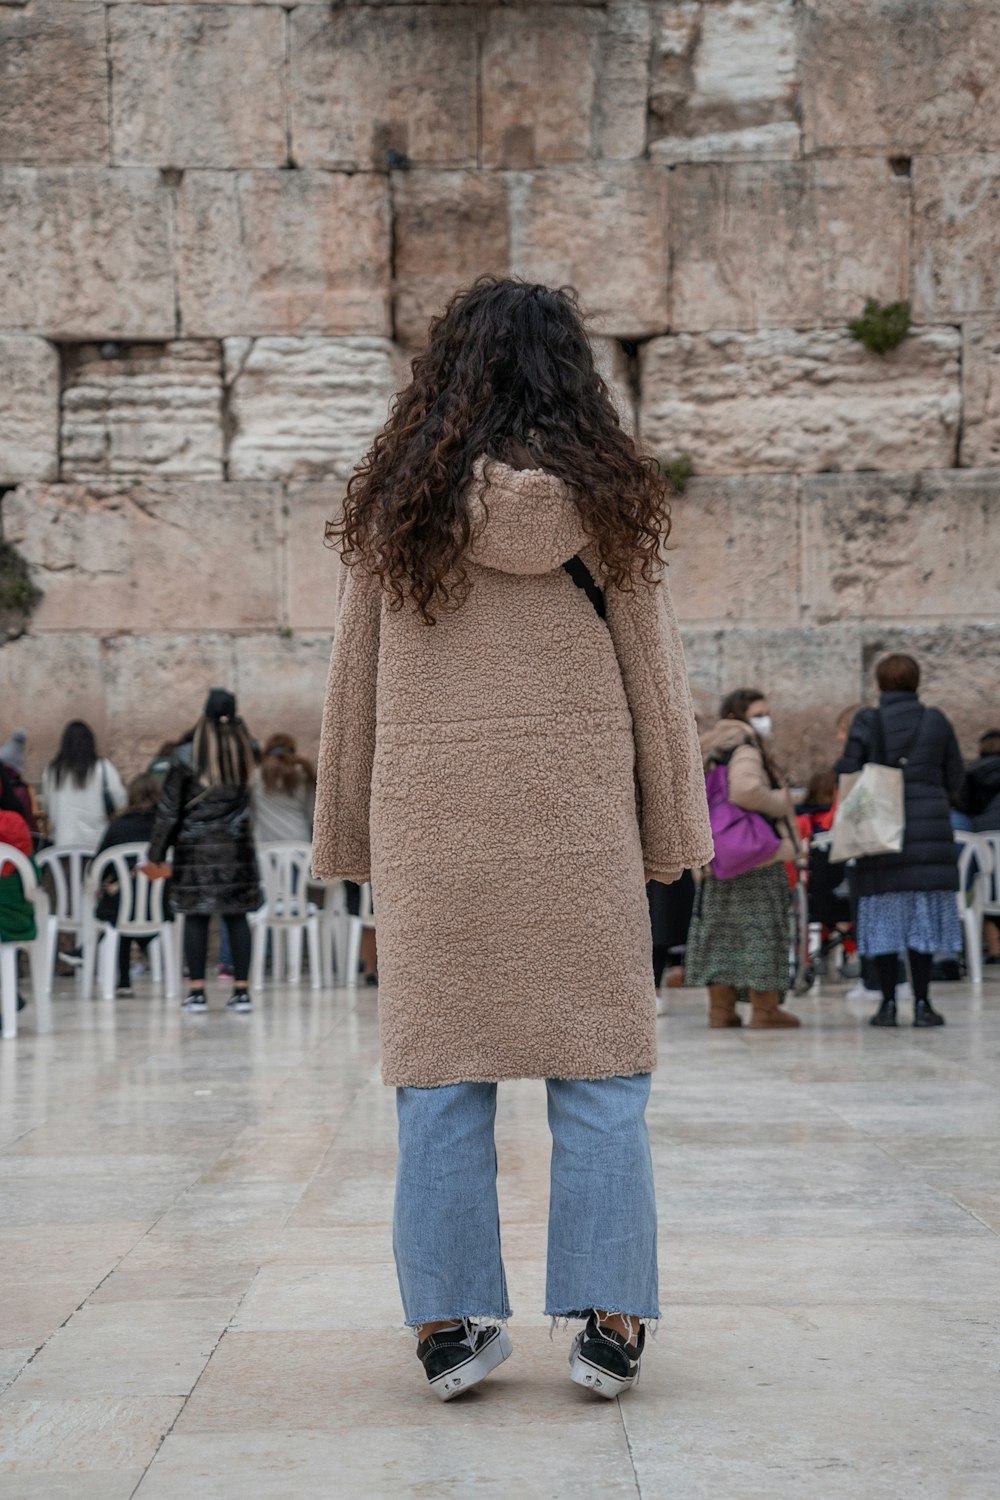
(198, 1300)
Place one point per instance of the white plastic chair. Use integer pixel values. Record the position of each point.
(37, 950)
(286, 913)
(979, 897)
(66, 868)
(356, 925)
(140, 915)
(333, 930)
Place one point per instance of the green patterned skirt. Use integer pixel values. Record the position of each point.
(739, 932)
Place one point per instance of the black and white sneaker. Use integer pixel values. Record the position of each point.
(604, 1361)
(196, 1001)
(240, 1000)
(455, 1360)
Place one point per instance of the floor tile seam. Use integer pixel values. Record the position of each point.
(910, 1167)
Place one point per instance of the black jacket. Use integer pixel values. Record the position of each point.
(981, 793)
(932, 779)
(211, 831)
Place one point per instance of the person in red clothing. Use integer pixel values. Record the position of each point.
(17, 915)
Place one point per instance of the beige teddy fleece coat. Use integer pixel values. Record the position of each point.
(504, 778)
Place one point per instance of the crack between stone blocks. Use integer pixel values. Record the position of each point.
(109, 70)
(286, 78)
(391, 204)
(960, 424)
(481, 18)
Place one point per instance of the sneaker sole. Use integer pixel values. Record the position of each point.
(596, 1378)
(463, 1377)
(240, 1010)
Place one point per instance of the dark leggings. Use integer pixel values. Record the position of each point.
(887, 965)
(196, 944)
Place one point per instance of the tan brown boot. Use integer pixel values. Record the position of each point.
(766, 1013)
(722, 1006)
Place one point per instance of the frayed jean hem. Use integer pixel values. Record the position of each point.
(566, 1314)
(459, 1318)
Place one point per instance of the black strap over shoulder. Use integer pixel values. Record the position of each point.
(584, 579)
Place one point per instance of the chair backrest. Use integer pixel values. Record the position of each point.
(991, 876)
(977, 861)
(29, 880)
(284, 874)
(66, 868)
(140, 901)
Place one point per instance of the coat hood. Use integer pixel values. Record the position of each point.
(723, 738)
(524, 520)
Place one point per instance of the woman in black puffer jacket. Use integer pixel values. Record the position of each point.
(907, 900)
(205, 813)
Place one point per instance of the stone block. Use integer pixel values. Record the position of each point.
(786, 244)
(735, 550)
(980, 446)
(703, 659)
(29, 408)
(151, 557)
(312, 569)
(602, 229)
(156, 685)
(198, 85)
(623, 80)
(958, 670)
(85, 253)
(783, 401)
(141, 410)
(449, 228)
(280, 684)
(809, 674)
(927, 80)
(362, 86)
(956, 209)
(54, 98)
(301, 408)
(282, 252)
(613, 365)
(724, 81)
(45, 681)
(539, 85)
(902, 545)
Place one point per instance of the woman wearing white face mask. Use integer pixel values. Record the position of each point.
(738, 940)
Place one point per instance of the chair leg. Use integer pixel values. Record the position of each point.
(315, 954)
(108, 962)
(973, 944)
(39, 959)
(8, 989)
(90, 948)
(156, 961)
(171, 975)
(259, 930)
(353, 952)
(293, 937)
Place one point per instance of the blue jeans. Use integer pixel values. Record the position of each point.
(602, 1207)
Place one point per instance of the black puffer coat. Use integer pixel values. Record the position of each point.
(981, 793)
(932, 779)
(211, 830)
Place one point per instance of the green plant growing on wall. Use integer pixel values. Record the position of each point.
(881, 328)
(677, 471)
(17, 591)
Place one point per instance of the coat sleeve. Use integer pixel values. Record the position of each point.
(341, 841)
(857, 750)
(116, 787)
(954, 767)
(673, 811)
(169, 813)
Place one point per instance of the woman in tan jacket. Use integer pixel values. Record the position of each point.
(739, 933)
(508, 752)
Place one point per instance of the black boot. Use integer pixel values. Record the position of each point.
(924, 1014)
(885, 1015)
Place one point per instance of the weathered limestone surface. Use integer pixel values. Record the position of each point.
(450, 227)
(780, 401)
(956, 210)
(282, 252)
(141, 410)
(540, 75)
(725, 80)
(183, 557)
(623, 83)
(53, 84)
(218, 98)
(785, 244)
(280, 681)
(737, 550)
(306, 407)
(312, 569)
(613, 367)
(175, 671)
(894, 545)
(48, 679)
(404, 82)
(29, 408)
(603, 230)
(926, 81)
(981, 389)
(85, 253)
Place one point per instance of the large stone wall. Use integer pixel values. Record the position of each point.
(226, 225)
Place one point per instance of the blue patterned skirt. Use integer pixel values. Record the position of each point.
(926, 921)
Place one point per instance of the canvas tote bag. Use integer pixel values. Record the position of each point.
(871, 816)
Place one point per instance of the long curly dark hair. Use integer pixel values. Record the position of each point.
(508, 372)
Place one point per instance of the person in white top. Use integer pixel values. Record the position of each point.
(80, 791)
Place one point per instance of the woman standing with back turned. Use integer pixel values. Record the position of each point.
(508, 752)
